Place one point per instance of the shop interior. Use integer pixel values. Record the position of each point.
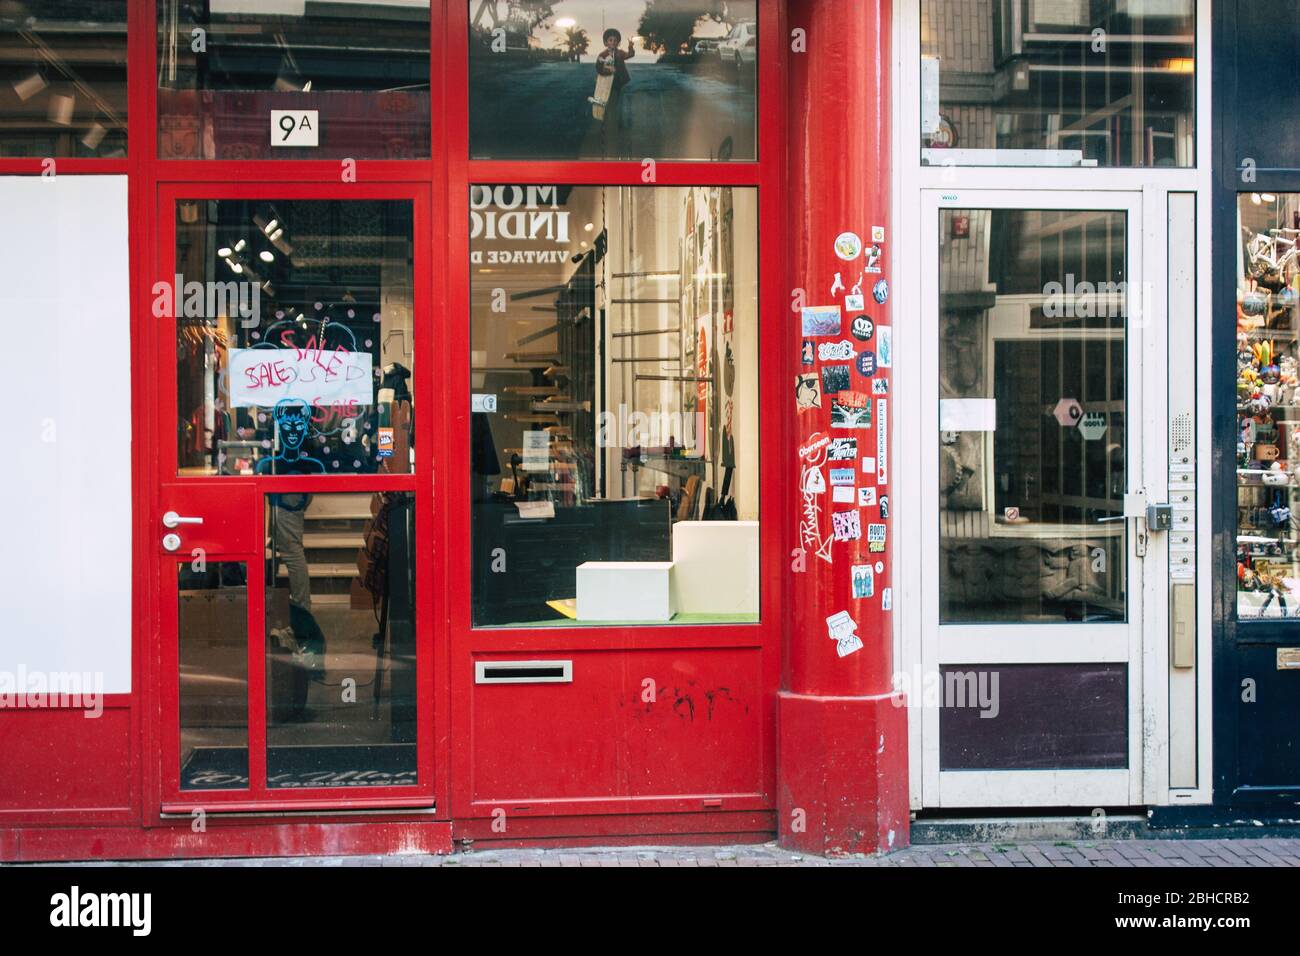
(1033, 421)
(294, 357)
(614, 369)
(1268, 425)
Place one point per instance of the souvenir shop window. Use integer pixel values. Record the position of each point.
(294, 347)
(63, 78)
(1058, 82)
(620, 80)
(1268, 406)
(614, 453)
(284, 79)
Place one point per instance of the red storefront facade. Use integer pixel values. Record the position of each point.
(508, 730)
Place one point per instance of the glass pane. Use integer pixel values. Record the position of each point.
(1032, 416)
(621, 79)
(1058, 82)
(212, 654)
(614, 462)
(340, 648)
(63, 78)
(1268, 405)
(352, 79)
(294, 324)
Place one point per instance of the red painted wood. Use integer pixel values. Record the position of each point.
(137, 779)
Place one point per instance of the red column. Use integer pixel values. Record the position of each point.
(842, 739)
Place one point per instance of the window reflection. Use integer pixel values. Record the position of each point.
(1033, 416)
(615, 359)
(613, 79)
(224, 65)
(1058, 82)
(63, 78)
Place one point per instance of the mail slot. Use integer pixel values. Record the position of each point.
(523, 672)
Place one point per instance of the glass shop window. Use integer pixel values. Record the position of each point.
(294, 347)
(1058, 82)
(614, 428)
(63, 78)
(625, 79)
(293, 79)
(1268, 405)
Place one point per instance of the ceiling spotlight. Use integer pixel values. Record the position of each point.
(1268, 197)
(266, 255)
(588, 227)
(270, 226)
(239, 246)
(29, 86)
(235, 267)
(224, 252)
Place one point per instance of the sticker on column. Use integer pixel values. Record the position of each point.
(821, 320)
(867, 363)
(835, 378)
(807, 391)
(887, 599)
(864, 581)
(866, 497)
(885, 347)
(877, 233)
(842, 476)
(855, 302)
(847, 412)
(842, 495)
(842, 629)
(868, 466)
(873, 259)
(841, 351)
(807, 354)
(837, 285)
(848, 246)
(880, 291)
(843, 449)
(847, 525)
(880, 386)
(875, 537)
(882, 442)
(861, 327)
(884, 506)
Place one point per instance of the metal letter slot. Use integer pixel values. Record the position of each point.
(523, 672)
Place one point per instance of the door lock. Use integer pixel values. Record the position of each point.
(1160, 517)
(171, 541)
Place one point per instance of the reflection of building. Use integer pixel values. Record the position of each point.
(63, 80)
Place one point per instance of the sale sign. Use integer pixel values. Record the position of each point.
(319, 377)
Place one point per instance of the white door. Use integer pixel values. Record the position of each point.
(1040, 426)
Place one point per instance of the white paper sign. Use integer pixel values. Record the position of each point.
(968, 414)
(295, 127)
(537, 455)
(320, 377)
(483, 403)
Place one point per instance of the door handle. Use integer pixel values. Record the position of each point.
(172, 520)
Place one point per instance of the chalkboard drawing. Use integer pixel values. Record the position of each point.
(292, 422)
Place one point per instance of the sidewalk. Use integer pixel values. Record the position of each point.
(1071, 853)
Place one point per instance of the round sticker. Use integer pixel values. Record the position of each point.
(880, 567)
(880, 291)
(867, 363)
(848, 246)
(863, 328)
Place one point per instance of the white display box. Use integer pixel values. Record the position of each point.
(715, 567)
(625, 591)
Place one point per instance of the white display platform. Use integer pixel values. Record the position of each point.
(715, 567)
(625, 591)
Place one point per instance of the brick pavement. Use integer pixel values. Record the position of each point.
(1270, 852)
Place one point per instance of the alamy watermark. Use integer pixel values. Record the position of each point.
(51, 690)
(975, 689)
